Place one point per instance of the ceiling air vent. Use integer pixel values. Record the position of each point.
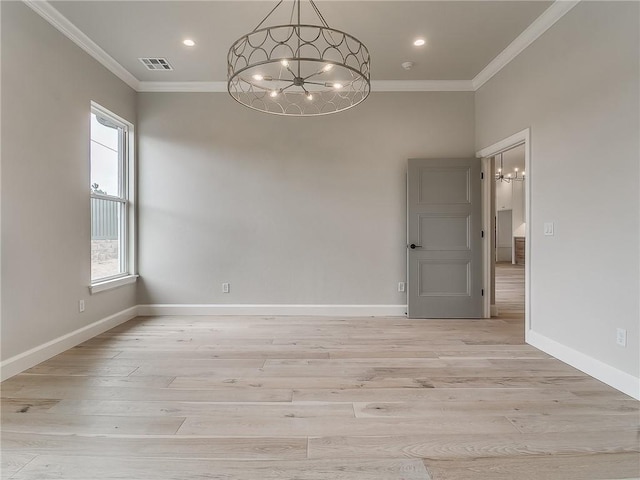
(156, 63)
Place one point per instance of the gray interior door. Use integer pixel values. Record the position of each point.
(444, 241)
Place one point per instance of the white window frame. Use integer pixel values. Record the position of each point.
(126, 197)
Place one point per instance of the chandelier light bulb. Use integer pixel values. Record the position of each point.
(523, 173)
(337, 86)
(258, 78)
(499, 170)
(516, 169)
(327, 67)
(284, 63)
(273, 94)
(309, 97)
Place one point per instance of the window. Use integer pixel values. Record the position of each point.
(111, 194)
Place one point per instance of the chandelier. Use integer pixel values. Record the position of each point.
(298, 69)
(515, 177)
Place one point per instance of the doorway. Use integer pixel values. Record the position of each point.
(506, 213)
(510, 232)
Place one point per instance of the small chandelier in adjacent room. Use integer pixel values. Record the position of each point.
(516, 176)
(298, 69)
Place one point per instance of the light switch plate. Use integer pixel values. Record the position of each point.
(548, 228)
(621, 337)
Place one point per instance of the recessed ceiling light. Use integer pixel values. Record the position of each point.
(188, 42)
(419, 42)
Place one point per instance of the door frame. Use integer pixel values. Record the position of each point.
(485, 154)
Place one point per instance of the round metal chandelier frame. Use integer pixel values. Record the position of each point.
(298, 69)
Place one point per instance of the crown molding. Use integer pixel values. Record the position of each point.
(421, 86)
(59, 21)
(376, 86)
(182, 87)
(540, 25)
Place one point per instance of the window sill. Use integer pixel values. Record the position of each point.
(113, 283)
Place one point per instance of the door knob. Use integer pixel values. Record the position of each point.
(413, 246)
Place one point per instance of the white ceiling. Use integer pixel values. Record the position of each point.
(462, 36)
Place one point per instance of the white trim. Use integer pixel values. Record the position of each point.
(613, 377)
(132, 202)
(1, 236)
(487, 183)
(114, 116)
(182, 87)
(421, 86)
(503, 145)
(249, 309)
(540, 25)
(23, 361)
(73, 33)
(523, 136)
(376, 86)
(112, 283)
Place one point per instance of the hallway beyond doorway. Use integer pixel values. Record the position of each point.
(510, 290)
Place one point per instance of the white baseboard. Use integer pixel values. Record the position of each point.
(303, 310)
(613, 377)
(25, 360)
(494, 311)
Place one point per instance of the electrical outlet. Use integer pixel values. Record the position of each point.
(401, 286)
(621, 337)
(225, 288)
(81, 305)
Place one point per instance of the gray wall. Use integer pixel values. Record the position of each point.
(289, 211)
(577, 88)
(47, 86)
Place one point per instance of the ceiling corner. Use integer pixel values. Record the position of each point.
(540, 25)
(60, 22)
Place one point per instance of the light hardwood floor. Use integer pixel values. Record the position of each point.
(251, 398)
(510, 291)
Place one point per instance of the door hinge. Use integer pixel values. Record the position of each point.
(482, 292)
(481, 175)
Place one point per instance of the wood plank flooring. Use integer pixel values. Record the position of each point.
(250, 398)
